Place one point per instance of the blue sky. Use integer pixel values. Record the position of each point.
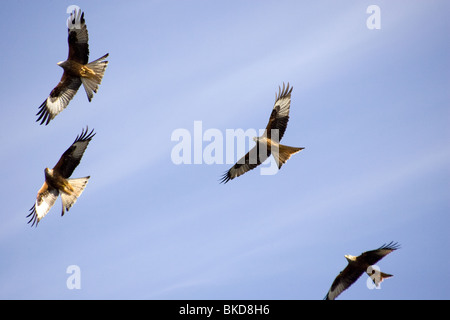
(371, 108)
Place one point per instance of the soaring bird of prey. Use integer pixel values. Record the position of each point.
(357, 266)
(269, 142)
(57, 180)
(77, 71)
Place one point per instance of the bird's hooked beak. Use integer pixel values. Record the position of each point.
(349, 257)
(60, 63)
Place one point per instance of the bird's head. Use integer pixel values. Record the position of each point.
(350, 258)
(62, 64)
(48, 172)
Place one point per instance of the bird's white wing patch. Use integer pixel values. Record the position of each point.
(42, 206)
(57, 104)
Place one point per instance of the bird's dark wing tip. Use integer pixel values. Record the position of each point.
(43, 114)
(225, 177)
(283, 92)
(33, 220)
(85, 136)
(390, 246)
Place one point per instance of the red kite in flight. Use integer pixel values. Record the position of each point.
(77, 71)
(57, 180)
(357, 266)
(268, 143)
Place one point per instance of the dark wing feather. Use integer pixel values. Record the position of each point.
(354, 270)
(78, 38)
(373, 256)
(59, 98)
(280, 113)
(68, 86)
(71, 157)
(343, 281)
(257, 155)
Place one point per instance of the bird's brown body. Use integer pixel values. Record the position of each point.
(269, 142)
(58, 182)
(77, 71)
(359, 265)
(54, 180)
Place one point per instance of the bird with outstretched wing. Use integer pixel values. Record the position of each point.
(57, 180)
(357, 266)
(77, 71)
(268, 143)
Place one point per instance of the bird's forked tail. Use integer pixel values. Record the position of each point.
(384, 276)
(94, 76)
(378, 277)
(68, 200)
(284, 153)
